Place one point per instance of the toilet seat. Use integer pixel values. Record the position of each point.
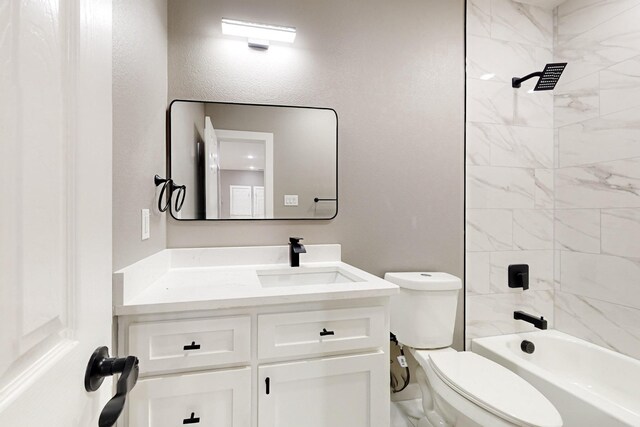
(491, 387)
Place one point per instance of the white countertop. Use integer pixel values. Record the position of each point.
(214, 278)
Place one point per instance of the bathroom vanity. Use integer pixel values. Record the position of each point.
(236, 337)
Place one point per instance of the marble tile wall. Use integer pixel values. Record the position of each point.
(510, 162)
(597, 179)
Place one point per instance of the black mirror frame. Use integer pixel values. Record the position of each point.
(168, 160)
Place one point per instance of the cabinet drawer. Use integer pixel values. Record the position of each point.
(320, 332)
(186, 344)
(212, 399)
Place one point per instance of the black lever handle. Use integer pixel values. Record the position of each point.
(192, 346)
(324, 332)
(100, 366)
(192, 419)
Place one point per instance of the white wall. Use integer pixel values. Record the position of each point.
(597, 218)
(394, 71)
(139, 106)
(509, 166)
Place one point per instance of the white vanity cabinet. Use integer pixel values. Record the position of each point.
(234, 337)
(321, 364)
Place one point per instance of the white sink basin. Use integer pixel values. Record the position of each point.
(300, 276)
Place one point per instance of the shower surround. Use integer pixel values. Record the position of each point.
(510, 161)
(553, 179)
(597, 189)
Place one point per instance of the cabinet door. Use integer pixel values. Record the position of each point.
(211, 399)
(348, 391)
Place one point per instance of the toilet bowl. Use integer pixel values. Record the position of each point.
(460, 389)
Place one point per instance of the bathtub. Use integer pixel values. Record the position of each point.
(588, 384)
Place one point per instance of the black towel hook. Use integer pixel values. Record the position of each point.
(180, 190)
(165, 182)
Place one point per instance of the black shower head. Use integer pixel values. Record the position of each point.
(548, 77)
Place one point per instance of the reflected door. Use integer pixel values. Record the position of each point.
(240, 201)
(211, 171)
(258, 202)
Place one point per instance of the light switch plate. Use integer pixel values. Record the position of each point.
(291, 200)
(146, 232)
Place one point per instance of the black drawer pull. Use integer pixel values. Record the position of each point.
(325, 332)
(193, 346)
(192, 419)
(267, 382)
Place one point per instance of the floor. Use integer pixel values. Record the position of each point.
(406, 413)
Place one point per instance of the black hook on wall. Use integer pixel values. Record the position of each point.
(180, 190)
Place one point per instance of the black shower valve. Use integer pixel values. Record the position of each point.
(519, 276)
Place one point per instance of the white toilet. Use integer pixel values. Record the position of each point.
(458, 388)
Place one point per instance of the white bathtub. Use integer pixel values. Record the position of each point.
(588, 384)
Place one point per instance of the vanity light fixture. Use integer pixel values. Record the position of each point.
(258, 35)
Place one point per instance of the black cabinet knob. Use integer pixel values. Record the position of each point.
(324, 332)
(192, 346)
(192, 419)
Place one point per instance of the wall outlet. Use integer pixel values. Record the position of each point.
(291, 200)
(146, 231)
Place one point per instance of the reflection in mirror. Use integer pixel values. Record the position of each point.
(244, 161)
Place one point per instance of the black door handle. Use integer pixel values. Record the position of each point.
(100, 366)
(192, 346)
(192, 419)
(324, 332)
(267, 383)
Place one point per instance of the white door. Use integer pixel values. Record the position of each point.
(258, 201)
(240, 201)
(211, 169)
(209, 399)
(55, 233)
(343, 391)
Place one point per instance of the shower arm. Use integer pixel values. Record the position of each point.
(516, 82)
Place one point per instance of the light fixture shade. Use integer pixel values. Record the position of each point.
(259, 35)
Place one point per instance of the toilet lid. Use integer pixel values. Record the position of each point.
(494, 388)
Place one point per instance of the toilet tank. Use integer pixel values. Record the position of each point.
(423, 314)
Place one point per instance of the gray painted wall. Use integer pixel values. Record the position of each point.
(139, 108)
(394, 71)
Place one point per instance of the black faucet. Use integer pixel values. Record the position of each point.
(538, 322)
(295, 249)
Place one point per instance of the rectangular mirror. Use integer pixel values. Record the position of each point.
(252, 162)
